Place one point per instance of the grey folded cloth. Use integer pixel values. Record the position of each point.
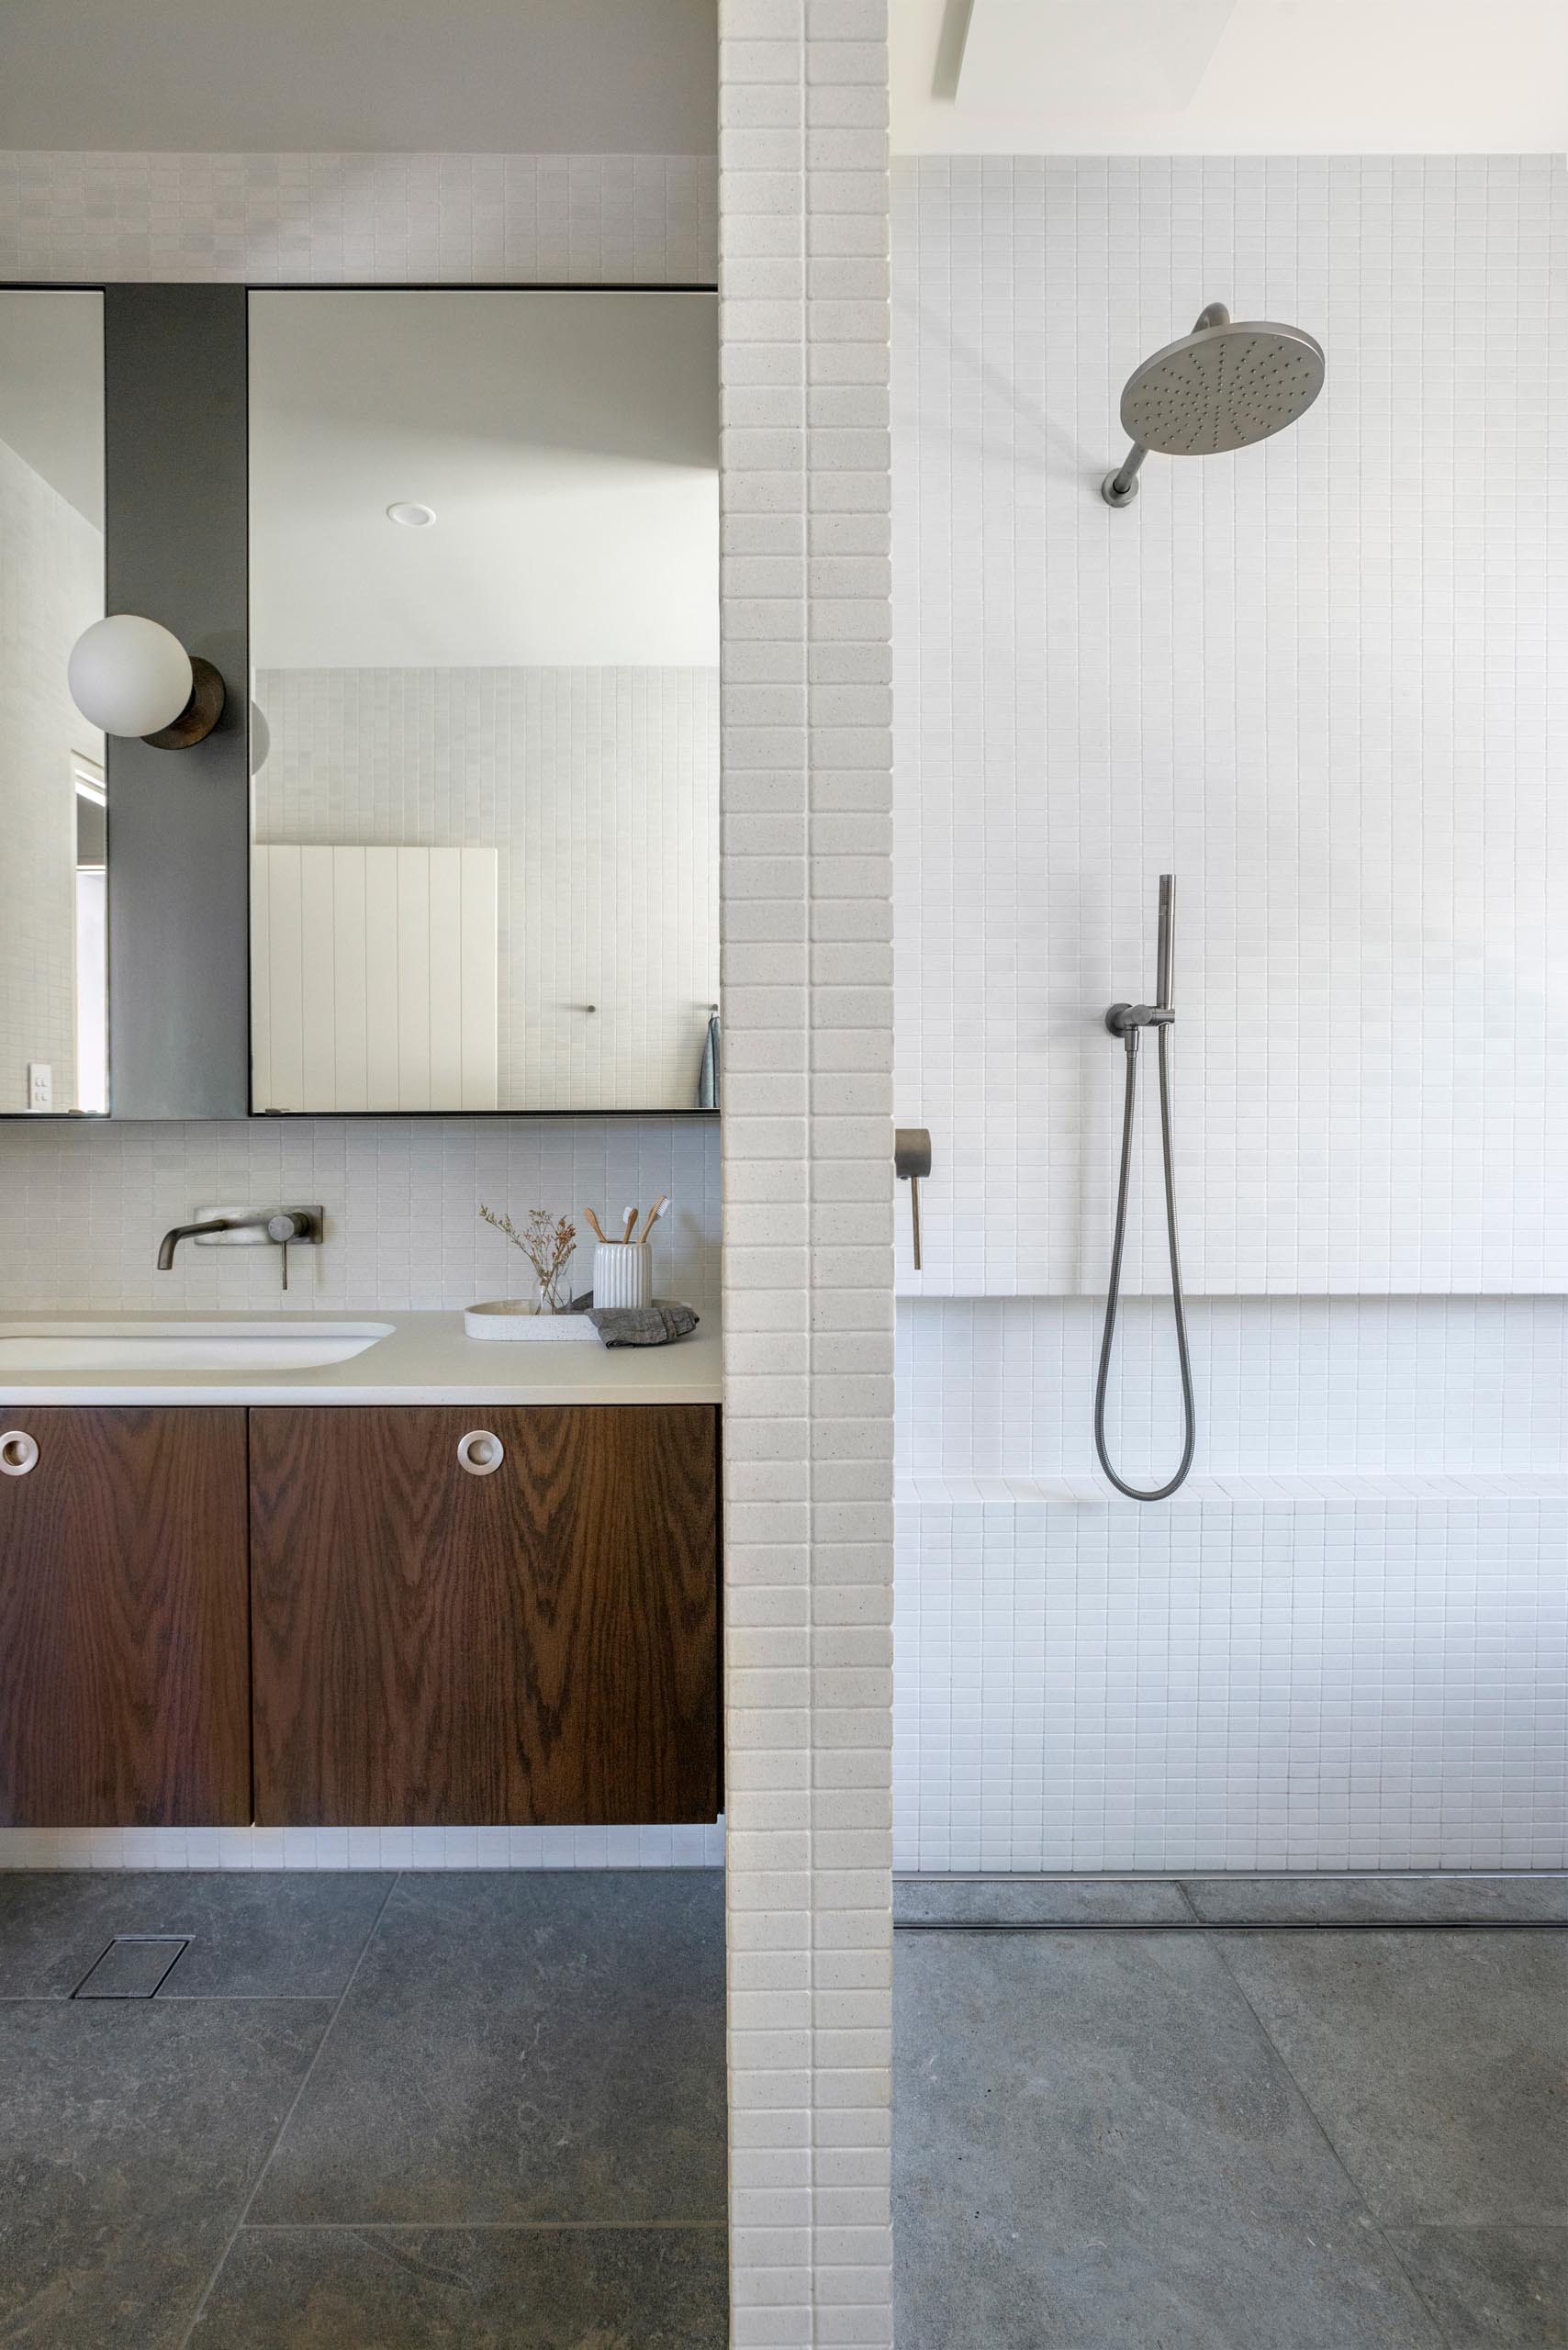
(636, 1325)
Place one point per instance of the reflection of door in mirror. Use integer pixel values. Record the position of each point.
(484, 625)
(52, 812)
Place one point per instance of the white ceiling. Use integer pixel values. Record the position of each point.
(569, 443)
(52, 390)
(1229, 77)
(471, 76)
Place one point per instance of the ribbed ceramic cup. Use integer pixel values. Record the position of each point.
(622, 1273)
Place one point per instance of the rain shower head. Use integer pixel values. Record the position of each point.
(1223, 386)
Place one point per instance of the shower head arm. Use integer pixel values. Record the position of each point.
(1120, 488)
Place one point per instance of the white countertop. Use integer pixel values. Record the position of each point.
(428, 1358)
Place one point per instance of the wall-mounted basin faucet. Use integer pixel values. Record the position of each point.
(285, 1228)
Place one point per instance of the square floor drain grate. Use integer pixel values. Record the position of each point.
(133, 1967)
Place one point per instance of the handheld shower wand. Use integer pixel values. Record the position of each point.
(1127, 1021)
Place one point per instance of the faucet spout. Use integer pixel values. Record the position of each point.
(283, 1227)
(172, 1240)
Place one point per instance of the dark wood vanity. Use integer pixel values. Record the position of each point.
(303, 1615)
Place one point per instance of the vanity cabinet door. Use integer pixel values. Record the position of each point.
(535, 1644)
(123, 1696)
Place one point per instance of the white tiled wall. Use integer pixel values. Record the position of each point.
(1233, 1686)
(599, 787)
(1300, 1663)
(1315, 680)
(808, 1149)
(1286, 1387)
(51, 587)
(83, 1209)
(1319, 679)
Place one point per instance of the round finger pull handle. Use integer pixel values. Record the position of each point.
(480, 1452)
(19, 1453)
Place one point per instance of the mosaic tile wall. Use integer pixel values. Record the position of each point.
(807, 1162)
(1314, 679)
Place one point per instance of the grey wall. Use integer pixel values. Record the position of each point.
(482, 76)
(175, 532)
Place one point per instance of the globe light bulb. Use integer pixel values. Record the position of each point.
(129, 675)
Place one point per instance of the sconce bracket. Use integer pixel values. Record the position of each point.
(200, 714)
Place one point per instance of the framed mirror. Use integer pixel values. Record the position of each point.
(485, 721)
(53, 814)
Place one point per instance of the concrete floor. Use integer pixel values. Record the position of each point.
(365, 2113)
(479, 2110)
(1145, 2129)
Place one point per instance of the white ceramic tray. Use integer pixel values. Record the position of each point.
(514, 1318)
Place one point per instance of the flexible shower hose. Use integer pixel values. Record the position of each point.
(1179, 1304)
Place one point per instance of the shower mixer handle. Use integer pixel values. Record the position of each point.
(1125, 1019)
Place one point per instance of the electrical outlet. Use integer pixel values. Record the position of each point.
(40, 1085)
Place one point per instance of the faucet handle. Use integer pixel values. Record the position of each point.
(911, 1161)
(294, 1224)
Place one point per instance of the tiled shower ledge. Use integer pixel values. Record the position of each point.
(1322, 1488)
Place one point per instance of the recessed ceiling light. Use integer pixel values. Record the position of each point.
(415, 518)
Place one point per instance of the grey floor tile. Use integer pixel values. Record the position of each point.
(522, 2045)
(130, 2134)
(1491, 2289)
(1398, 1900)
(255, 1934)
(1094, 2146)
(1435, 2062)
(1032, 1900)
(503, 2289)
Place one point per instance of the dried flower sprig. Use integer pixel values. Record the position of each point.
(548, 1242)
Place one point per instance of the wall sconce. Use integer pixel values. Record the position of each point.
(131, 677)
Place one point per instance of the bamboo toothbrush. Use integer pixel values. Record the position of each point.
(594, 1222)
(630, 1226)
(654, 1215)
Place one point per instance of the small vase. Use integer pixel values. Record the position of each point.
(553, 1296)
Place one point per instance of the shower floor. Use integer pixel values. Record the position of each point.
(1231, 2114)
(363, 2112)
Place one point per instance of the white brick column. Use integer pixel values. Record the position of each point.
(807, 1158)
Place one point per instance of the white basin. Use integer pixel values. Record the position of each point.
(280, 1345)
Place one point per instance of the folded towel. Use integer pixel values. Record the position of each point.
(636, 1325)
